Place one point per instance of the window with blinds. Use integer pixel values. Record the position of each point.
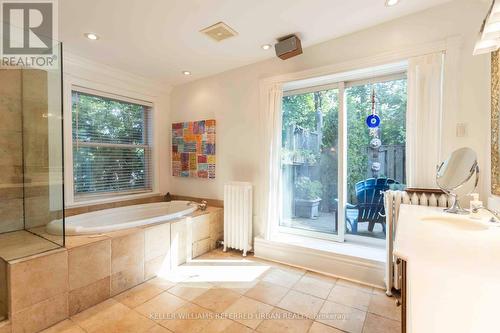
(111, 145)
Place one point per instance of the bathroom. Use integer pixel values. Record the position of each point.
(176, 167)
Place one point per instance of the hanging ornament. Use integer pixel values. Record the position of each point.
(373, 120)
(373, 123)
(375, 143)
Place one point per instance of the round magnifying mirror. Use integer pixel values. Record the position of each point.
(455, 175)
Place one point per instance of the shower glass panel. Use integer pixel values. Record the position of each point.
(31, 162)
(42, 150)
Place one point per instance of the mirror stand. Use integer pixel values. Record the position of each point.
(454, 174)
(456, 208)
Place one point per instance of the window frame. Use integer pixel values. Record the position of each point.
(341, 83)
(73, 200)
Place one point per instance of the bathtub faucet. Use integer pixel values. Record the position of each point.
(201, 206)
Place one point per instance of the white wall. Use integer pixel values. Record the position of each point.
(232, 98)
(89, 74)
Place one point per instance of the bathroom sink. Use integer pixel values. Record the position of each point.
(456, 222)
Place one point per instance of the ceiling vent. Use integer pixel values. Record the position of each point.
(219, 31)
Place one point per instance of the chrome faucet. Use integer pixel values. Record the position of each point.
(496, 214)
(201, 206)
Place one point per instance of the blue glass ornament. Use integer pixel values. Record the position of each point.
(373, 121)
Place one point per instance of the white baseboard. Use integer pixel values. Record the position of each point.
(360, 270)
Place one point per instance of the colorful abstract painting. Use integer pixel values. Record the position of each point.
(193, 149)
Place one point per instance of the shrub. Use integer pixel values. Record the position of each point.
(308, 190)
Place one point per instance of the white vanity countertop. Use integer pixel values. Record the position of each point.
(453, 271)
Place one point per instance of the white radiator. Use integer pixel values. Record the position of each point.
(393, 200)
(238, 216)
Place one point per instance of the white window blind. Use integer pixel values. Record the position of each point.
(111, 145)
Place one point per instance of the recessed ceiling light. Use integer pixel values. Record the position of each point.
(390, 3)
(266, 47)
(91, 36)
(186, 72)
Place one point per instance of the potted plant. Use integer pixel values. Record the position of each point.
(307, 197)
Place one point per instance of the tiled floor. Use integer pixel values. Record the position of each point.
(224, 292)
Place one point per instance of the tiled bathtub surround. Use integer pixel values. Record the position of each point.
(93, 268)
(22, 243)
(92, 208)
(3, 290)
(38, 291)
(150, 199)
(104, 266)
(89, 273)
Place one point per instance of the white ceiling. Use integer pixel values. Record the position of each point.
(160, 38)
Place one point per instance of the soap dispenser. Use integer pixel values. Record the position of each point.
(475, 206)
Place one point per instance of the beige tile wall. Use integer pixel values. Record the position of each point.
(92, 208)
(3, 289)
(24, 149)
(207, 230)
(36, 148)
(89, 271)
(41, 315)
(38, 291)
(85, 297)
(201, 234)
(156, 250)
(210, 202)
(127, 260)
(216, 229)
(155, 198)
(11, 203)
(5, 327)
(180, 251)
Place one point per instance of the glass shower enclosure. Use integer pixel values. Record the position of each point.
(31, 162)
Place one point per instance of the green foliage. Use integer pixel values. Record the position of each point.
(299, 156)
(391, 107)
(308, 190)
(108, 168)
(328, 177)
(311, 110)
(98, 119)
(299, 110)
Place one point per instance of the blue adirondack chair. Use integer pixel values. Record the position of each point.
(370, 206)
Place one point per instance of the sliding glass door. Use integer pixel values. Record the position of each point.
(334, 166)
(310, 162)
(376, 156)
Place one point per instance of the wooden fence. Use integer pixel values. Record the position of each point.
(392, 159)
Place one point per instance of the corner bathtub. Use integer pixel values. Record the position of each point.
(114, 219)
